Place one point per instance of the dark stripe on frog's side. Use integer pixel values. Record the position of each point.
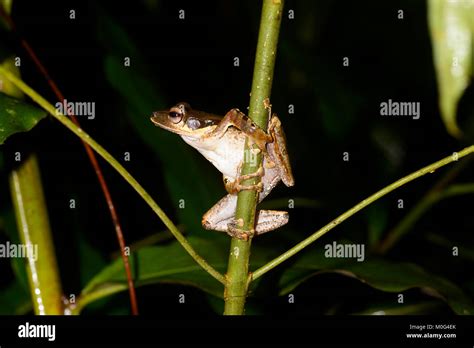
(196, 123)
(197, 119)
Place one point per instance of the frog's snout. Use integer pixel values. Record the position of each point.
(154, 117)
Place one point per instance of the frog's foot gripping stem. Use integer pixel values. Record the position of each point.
(234, 230)
(234, 187)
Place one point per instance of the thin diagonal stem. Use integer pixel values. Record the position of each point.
(321, 232)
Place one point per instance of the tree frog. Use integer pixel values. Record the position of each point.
(221, 141)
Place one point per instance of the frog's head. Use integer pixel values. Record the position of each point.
(183, 120)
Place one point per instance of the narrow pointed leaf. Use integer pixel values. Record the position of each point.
(379, 274)
(452, 30)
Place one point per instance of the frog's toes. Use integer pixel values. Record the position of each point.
(234, 229)
(257, 187)
(234, 187)
(206, 224)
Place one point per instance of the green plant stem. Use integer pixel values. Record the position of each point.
(235, 291)
(119, 168)
(238, 267)
(303, 244)
(33, 225)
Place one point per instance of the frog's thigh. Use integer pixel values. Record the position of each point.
(221, 214)
(269, 220)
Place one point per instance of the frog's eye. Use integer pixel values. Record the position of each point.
(175, 115)
(193, 123)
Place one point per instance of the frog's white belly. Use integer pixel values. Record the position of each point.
(226, 153)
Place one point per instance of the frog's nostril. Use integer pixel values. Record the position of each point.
(154, 117)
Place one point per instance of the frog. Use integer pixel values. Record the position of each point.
(221, 140)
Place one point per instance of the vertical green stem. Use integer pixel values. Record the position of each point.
(33, 225)
(238, 268)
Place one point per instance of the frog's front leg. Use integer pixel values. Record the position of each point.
(242, 122)
(221, 218)
(235, 186)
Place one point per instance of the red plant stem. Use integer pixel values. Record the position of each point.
(92, 158)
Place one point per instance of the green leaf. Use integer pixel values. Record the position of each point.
(379, 274)
(162, 264)
(17, 116)
(452, 35)
(170, 264)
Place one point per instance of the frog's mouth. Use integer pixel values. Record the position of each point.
(160, 119)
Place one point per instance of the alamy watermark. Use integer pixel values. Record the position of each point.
(346, 251)
(11, 250)
(76, 108)
(394, 108)
(250, 156)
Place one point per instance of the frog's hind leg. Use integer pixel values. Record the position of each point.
(221, 218)
(278, 152)
(265, 221)
(269, 220)
(221, 214)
